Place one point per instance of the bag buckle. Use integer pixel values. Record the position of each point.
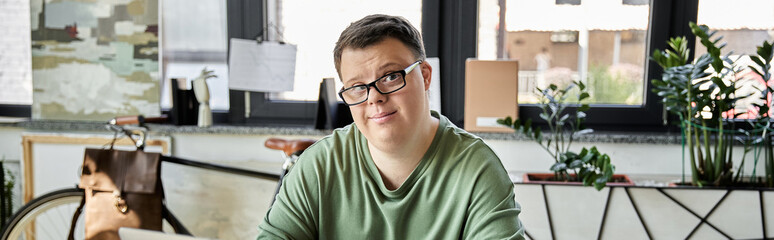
(120, 202)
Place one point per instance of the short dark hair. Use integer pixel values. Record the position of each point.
(373, 29)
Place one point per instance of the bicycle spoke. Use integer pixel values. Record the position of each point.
(44, 227)
(63, 221)
(59, 214)
(46, 217)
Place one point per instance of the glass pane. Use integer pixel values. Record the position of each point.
(194, 37)
(314, 26)
(744, 25)
(15, 59)
(601, 42)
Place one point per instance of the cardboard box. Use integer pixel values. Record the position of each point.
(491, 92)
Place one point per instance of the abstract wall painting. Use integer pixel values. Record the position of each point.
(94, 59)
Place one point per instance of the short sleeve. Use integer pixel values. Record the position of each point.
(294, 212)
(493, 213)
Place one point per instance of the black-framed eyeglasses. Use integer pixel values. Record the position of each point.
(389, 83)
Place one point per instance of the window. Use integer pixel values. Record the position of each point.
(194, 37)
(664, 19)
(601, 43)
(15, 76)
(15, 65)
(314, 26)
(743, 29)
(453, 31)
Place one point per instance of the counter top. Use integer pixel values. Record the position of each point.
(78, 126)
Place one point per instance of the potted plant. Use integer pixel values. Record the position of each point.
(762, 69)
(703, 95)
(589, 166)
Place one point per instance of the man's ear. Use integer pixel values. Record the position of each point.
(427, 73)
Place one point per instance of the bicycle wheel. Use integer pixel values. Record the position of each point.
(46, 217)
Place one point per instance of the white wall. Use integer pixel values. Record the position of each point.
(643, 161)
(225, 206)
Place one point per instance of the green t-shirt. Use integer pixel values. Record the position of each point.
(459, 190)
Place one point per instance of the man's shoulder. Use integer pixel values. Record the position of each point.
(337, 137)
(469, 157)
(469, 148)
(462, 140)
(338, 143)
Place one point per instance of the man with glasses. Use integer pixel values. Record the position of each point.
(401, 171)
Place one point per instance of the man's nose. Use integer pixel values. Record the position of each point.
(374, 96)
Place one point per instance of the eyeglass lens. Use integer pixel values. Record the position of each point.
(386, 84)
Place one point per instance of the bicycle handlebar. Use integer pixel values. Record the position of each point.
(124, 124)
(137, 119)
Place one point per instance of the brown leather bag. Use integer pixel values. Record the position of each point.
(122, 189)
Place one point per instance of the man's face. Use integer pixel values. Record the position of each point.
(387, 118)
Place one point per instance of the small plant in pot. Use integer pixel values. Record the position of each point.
(588, 166)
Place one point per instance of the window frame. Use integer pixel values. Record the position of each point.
(15, 110)
(449, 29)
(451, 33)
(263, 110)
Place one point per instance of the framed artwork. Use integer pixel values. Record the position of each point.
(94, 60)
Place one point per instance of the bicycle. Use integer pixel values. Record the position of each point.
(50, 215)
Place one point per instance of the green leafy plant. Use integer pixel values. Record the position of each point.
(589, 165)
(703, 95)
(8, 183)
(763, 120)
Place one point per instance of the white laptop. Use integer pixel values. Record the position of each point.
(140, 234)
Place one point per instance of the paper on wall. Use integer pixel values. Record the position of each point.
(261, 67)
